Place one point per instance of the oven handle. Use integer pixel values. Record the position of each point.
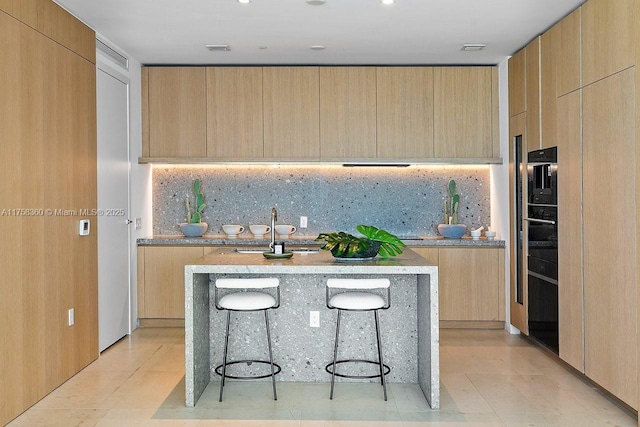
(543, 278)
(541, 221)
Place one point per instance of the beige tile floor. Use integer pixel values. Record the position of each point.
(489, 378)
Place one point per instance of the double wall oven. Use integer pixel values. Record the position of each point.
(541, 224)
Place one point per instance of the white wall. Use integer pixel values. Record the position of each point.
(140, 180)
(500, 185)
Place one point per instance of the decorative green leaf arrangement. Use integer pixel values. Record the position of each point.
(196, 217)
(346, 245)
(451, 209)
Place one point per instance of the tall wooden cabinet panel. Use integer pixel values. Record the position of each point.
(163, 296)
(549, 46)
(347, 112)
(610, 236)
(291, 113)
(568, 73)
(53, 21)
(608, 38)
(637, 175)
(47, 161)
(517, 75)
(570, 294)
(532, 97)
(462, 132)
(518, 297)
(405, 112)
(234, 112)
(177, 112)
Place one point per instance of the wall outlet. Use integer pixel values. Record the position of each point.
(71, 317)
(314, 319)
(138, 223)
(303, 222)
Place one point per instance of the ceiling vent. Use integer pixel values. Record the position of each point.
(112, 54)
(218, 47)
(473, 47)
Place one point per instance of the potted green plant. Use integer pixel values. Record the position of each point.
(194, 227)
(374, 241)
(450, 228)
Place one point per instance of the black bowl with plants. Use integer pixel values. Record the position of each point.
(373, 241)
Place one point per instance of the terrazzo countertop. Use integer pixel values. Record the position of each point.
(248, 240)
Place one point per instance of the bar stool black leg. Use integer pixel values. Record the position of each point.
(335, 353)
(384, 384)
(273, 376)
(224, 357)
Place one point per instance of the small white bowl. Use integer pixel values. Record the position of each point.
(490, 235)
(475, 234)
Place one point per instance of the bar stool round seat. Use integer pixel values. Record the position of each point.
(245, 295)
(357, 301)
(358, 295)
(247, 301)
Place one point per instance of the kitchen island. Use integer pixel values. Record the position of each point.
(409, 328)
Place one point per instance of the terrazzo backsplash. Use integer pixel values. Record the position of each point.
(405, 201)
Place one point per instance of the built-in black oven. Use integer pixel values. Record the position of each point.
(542, 237)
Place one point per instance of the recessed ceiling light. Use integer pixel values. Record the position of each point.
(387, 1)
(317, 47)
(244, 1)
(473, 47)
(316, 2)
(218, 47)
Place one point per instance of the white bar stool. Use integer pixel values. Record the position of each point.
(351, 298)
(243, 299)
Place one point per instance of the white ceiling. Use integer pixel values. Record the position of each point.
(353, 31)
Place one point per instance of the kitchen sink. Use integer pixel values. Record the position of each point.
(261, 250)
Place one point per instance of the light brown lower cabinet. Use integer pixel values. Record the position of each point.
(161, 281)
(471, 285)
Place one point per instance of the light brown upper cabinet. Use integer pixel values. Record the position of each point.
(517, 75)
(532, 93)
(234, 113)
(291, 113)
(462, 132)
(608, 41)
(177, 109)
(347, 113)
(549, 46)
(405, 112)
(315, 114)
(568, 72)
(610, 235)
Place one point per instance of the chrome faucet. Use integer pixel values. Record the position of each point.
(274, 218)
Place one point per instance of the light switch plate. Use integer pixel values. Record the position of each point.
(138, 223)
(84, 227)
(303, 222)
(314, 319)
